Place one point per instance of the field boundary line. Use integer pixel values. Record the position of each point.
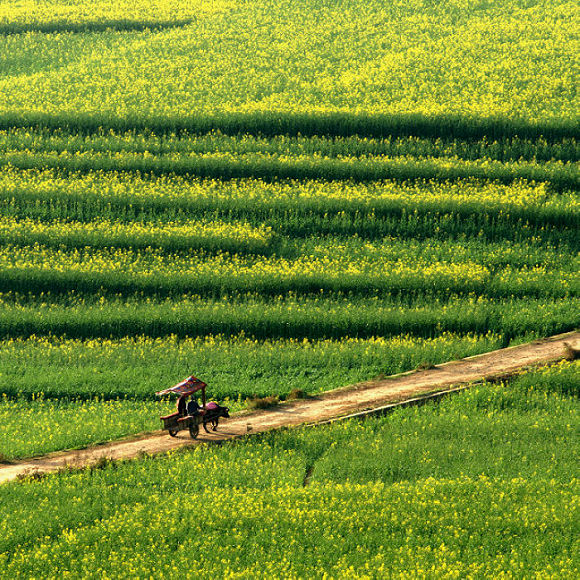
(325, 123)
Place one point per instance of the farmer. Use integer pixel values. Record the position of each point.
(193, 407)
(181, 405)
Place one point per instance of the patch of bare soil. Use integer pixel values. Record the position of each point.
(333, 404)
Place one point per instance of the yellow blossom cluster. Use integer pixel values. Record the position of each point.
(201, 234)
(198, 272)
(275, 57)
(112, 188)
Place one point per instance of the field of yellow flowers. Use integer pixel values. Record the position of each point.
(482, 485)
(280, 66)
(282, 194)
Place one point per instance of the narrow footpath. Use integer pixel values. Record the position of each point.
(324, 407)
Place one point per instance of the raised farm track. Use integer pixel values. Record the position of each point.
(359, 399)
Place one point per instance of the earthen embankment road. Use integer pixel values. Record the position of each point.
(329, 405)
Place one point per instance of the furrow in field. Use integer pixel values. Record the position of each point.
(273, 167)
(120, 25)
(321, 123)
(322, 317)
(183, 144)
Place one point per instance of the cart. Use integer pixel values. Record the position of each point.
(179, 421)
(174, 423)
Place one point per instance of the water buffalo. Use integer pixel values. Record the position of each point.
(212, 415)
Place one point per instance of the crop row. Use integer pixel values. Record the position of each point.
(166, 244)
(171, 236)
(322, 317)
(224, 165)
(355, 254)
(113, 195)
(151, 271)
(302, 220)
(41, 140)
(237, 367)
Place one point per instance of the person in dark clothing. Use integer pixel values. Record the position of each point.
(181, 405)
(193, 407)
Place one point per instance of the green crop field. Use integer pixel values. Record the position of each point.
(482, 485)
(277, 195)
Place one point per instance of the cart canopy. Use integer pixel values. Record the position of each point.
(186, 387)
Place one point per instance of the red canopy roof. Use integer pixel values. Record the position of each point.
(186, 387)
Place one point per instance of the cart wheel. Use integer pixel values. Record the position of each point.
(173, 432)
(194, 431)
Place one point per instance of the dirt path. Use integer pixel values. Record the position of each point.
(337, 403)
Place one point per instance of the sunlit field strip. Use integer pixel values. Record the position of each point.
(321, 317)
(171, 236)
(86, 16)
(41, 426)
(269, 58)
(491, 254)
(234, 366)
(237, 237)
(111, 194)
(465, 500)
(150, 270)
(561, 175)
(38, 140)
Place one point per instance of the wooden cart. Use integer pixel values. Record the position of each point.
(179, 421)
(174, 423)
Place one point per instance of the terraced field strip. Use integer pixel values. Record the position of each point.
(339, 403)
